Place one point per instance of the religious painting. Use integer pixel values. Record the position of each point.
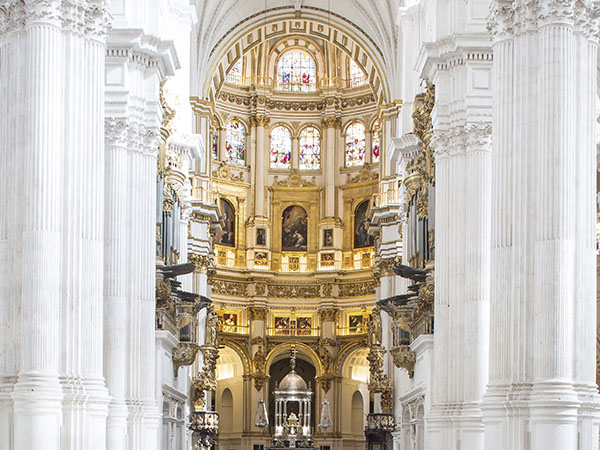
(294, 227)
(357, 323)
(230, 322)
(303, 324)
(282, 325)
(328, 238)
(327, 259)
(227, 235)
(361, 238)
(261, 234)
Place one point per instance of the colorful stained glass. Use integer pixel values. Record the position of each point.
(235, 141)
(235, 74)
(215, 145)
(296, 72)
(310, 149)
(376, 149)
(281, 148)
(355, 145)
(357, 76)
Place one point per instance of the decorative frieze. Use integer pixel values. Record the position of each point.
(227, 287)
(277, 105)
(293, 291)
(357, 289)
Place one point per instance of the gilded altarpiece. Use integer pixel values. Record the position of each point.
(308, 198)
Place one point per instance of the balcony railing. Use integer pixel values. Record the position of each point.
(352, 331)
(235, 329)
(271, 331)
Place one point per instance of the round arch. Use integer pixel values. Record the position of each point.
(240, 351)
(282, 21)
(283, 350)
(293, 43)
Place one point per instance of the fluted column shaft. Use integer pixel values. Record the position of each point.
(133, 119)
(542, 392)
(462, 142)
(51, 154)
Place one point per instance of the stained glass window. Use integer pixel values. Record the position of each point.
(310, 149)
(296, 72)
(215, 145)
(235, 74)
(235, 141)
(281, 148)
(355, 145)
(375, 148)
(357, 76)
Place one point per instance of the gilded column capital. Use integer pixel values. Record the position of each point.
(331, 122)
(257, 313)
(259, 120)
(329, 314)
(202, 263)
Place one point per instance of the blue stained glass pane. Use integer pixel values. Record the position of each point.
(281, 148)
(296, 72)
(235, 141)
(310, 149)
(355, 145)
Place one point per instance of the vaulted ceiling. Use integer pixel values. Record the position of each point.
(374, 19)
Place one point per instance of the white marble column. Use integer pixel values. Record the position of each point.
(542, 392)
(51, 236)
(462, 142)
(136, 64)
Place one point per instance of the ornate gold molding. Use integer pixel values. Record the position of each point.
(202, 263)
(404, 358)
(329, 314)
(257, 313)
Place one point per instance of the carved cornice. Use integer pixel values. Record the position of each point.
(386, 265)
(295, 180)
(279, 105)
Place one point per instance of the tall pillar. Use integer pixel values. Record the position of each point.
(135, 68)
(328, 162)
(542, 392)
(461, 122)
(51, 163)
(261, 159)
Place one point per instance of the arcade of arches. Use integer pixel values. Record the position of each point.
(277, 224)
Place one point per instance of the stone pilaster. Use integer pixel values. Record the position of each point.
(136, 64)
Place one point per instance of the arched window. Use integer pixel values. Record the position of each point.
(310, 149)
(296, 72)
(215, 145)
(357, 76)
(281, 148)
(235, 74)
(355, 145)
(235, 141)
(375, 148)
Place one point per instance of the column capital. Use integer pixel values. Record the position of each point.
(331, 122)
(259, 120)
